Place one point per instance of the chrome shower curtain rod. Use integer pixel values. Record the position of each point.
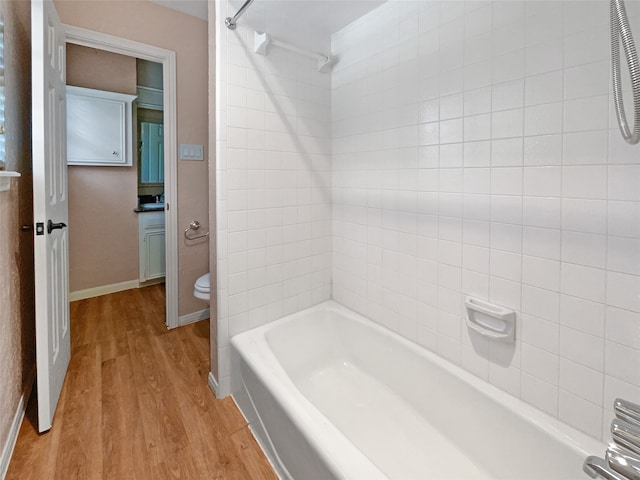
(230, 22)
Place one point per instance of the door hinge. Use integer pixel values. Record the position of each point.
(40, 228)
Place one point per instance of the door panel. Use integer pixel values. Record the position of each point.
(53, 346)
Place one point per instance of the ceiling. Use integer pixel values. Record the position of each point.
(326, 16)
(294, 19)
(289, 19)
(196, 8)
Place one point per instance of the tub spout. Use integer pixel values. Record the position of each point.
(597, 467)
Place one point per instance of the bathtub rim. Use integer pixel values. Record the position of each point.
(305, 415)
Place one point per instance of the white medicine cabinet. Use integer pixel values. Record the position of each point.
(98, 127)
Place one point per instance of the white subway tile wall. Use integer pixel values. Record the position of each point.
(458, 148)
(273, 130)
(475, 152)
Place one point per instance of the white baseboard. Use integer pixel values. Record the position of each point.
(154, 281)
(213, 384)
(103, 290)
(220, 389)
(12, 438)
(194, 317)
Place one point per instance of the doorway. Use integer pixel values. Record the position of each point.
(115, 172)
(166, 58)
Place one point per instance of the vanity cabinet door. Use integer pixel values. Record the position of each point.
(99, 128)
(154, 252)
(152, 245)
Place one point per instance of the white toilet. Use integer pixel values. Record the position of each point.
(202, 288)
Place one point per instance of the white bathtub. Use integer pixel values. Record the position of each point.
(330, 394)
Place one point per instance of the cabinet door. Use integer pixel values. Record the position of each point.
(152, 245)
(154, 248)
(98, 127)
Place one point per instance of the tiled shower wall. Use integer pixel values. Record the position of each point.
(273, 168)
(475, 153)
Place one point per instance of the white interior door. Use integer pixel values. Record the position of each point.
(53, 346)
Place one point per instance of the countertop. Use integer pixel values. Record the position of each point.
(140, 209)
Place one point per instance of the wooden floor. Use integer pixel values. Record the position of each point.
(135, 403)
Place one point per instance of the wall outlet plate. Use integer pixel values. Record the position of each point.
(189, 151)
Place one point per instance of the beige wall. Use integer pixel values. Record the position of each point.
(149, 74)
(103, 229)
(146, 22)
(101, 70)
(17, 327)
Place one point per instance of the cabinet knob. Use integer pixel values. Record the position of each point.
(115, 153)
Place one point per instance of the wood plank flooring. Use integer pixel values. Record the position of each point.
(135, 403)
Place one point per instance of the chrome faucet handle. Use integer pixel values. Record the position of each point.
(626, 435)
(628, 411)
(623, 462)
(597, 467)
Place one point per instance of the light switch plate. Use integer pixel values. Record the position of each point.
(189, 151)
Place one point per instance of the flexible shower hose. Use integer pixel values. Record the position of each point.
(620, 31)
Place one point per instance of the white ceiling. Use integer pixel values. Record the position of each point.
(292, 19)
(196, 8)
(326, 16)
(288, 19)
